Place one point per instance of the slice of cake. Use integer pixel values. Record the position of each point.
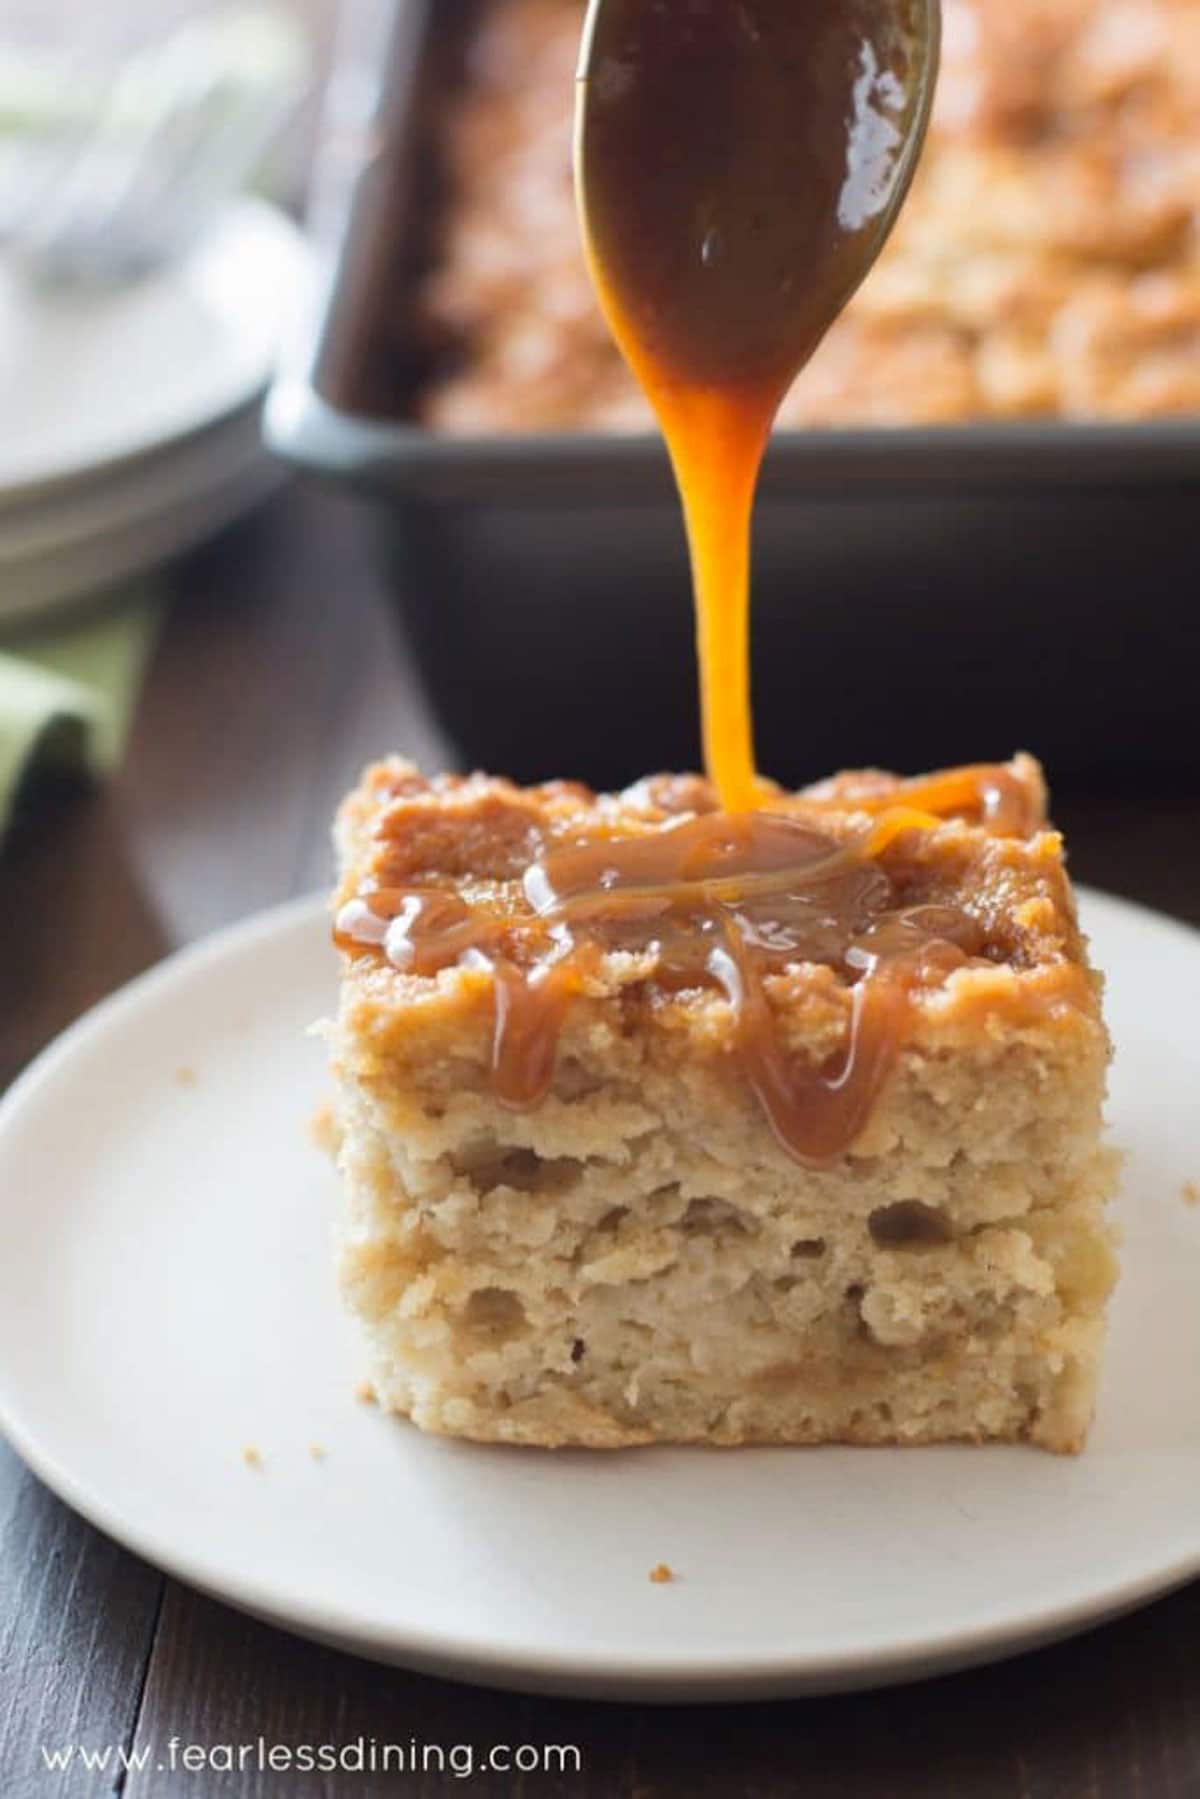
(658, 1124)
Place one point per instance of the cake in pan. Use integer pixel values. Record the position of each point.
(659, 1124)
(1047, 263)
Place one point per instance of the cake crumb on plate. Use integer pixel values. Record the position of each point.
(661, 1573)
(323, 1128)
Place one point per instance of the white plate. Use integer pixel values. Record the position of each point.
(132, 492)
(99, 377)
(166, 1298)
(131, 529)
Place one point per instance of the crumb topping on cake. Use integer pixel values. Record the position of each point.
(810, 942)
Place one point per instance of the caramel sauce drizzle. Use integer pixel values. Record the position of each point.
(719, 901)
(991, 793)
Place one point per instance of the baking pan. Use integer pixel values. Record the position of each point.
(921, 596)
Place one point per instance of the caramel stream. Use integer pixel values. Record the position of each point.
(739, 164)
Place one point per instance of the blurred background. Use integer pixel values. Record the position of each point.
(155, 168)
(977, 526)
(58, 55)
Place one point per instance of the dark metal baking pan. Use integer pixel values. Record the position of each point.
(920, 595)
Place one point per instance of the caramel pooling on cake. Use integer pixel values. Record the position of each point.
(724, 901)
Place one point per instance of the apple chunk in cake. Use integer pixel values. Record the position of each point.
(661, 1125)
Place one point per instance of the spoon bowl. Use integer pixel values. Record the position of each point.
(739, 166)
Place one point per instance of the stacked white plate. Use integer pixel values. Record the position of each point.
(131, 415)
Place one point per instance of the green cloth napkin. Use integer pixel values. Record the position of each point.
(68, 689)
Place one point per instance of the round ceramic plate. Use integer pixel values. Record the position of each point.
(100, 377)
(166, 1301)
(128, 525)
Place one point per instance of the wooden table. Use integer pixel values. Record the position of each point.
(278, 674)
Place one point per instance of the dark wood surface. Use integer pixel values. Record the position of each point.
(279, 672)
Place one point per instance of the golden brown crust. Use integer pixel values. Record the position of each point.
(1047, 262)
(482, 831)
